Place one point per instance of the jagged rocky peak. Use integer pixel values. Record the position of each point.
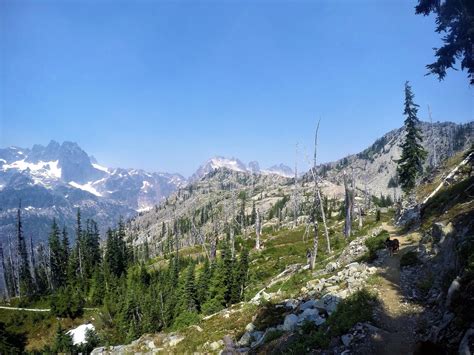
(281, 169)
(218, 162)
(46, 177)
(235, 164)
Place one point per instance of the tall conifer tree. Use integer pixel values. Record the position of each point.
(410, 165)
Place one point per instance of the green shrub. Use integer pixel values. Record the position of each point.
(409, 259)
(269, 316)
(275, 334)
(185, 319)
(374, 244)
(356, 308)
(67, 302)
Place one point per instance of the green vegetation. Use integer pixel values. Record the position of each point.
(374, 244)
(410, 165)
(454, 19)
(447, 198)
(409, 259)
(135, 294)
(356, 308)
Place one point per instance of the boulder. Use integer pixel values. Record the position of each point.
(346, 339)
(308, 304)
(174, 340)
(245, 340)
(257, 335)
(250, 327)
(328, 303)
(216, 345)
(290, 323)
(291, 303)
(331, 267)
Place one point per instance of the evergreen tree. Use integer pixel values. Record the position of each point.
(410, 165)
(116, 252)
(91, 247)
(455, 19)
(242, 272)
(55, 257)
(62, 342)
(203, 282)
(24, 272)
(65, 254)
(190, 303)
(253, 216)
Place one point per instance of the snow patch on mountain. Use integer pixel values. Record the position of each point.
(100, 167)
(86, 187)
(48, 169)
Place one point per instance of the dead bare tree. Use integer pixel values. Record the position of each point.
(318, 199)
(295, 192)
(258, 230)
(349, 204)
(314, 252)
(434, 160)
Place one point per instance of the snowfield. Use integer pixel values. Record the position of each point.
(78, 334)
(86, 187)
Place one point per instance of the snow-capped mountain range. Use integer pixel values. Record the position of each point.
(53, 181)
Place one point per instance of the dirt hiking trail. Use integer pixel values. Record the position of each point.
(397, 317)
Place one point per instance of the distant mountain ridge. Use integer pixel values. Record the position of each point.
(235, 164)
(54, 180)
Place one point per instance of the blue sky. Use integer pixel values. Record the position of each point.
(165, 85)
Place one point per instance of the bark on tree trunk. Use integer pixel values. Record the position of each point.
(257, 230)
(314, 253)
(348, 207)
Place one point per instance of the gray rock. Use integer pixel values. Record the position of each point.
(250, 327)
(332, 266)
(346, 339)
(290, 323)
(291, 303)
(216, 345)
(256, 335)
(308, 304)
(174, 340)
(245, 340)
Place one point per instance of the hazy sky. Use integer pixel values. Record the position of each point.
(164, 85)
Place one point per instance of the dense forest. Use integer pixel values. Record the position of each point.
(133, 297)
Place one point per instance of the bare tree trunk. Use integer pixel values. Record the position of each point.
(295, 192)
(348, 207)
(318, 192)
(213, 251)
(434, 161)
(7, 295)
(314, 253)
(32, 262)
(257, 230)
(360, 216)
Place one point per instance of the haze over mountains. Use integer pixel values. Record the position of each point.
(53, 181)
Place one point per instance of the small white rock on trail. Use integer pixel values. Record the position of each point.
(397, 317)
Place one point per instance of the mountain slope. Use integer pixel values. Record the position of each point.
(376, 165)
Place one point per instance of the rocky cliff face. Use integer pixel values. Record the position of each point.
(376, 165)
